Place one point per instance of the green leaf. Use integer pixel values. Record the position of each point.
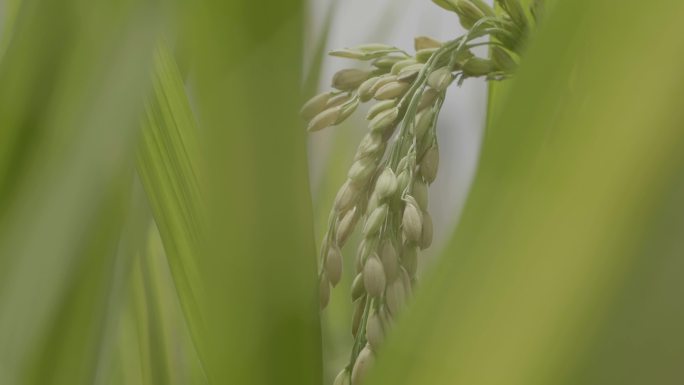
(7, 19)
(69, 107)
(167, 165)
(260, 264)
(566, 266)
(167, 350)
(132, 240)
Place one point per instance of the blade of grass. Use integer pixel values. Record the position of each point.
(166, 346)
(497, 91)
(156, 368)
(167, 167)
(564, 267)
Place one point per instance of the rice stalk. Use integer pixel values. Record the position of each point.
(398, 159)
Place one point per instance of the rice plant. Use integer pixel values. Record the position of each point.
(157, 226)
(398, 158)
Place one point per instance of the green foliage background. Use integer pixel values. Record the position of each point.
(156, 224)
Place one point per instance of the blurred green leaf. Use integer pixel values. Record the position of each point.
(155, 365)
(566, 265)
(313, 75)
(67, 118)
(166, 348)
(8, 13)
(131, 242)
(261, 305)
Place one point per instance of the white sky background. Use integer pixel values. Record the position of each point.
(462, 118)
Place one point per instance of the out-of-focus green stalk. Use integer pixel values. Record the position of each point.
(259, 268)
(69, 105)
(167, 351)
(131, 242)
(8, 15)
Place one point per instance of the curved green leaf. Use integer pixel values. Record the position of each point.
(68, 119)
(167, 165)
(566, 266)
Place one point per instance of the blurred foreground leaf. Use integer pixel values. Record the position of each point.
(566, 267)
(70, 99)
(261, 305)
